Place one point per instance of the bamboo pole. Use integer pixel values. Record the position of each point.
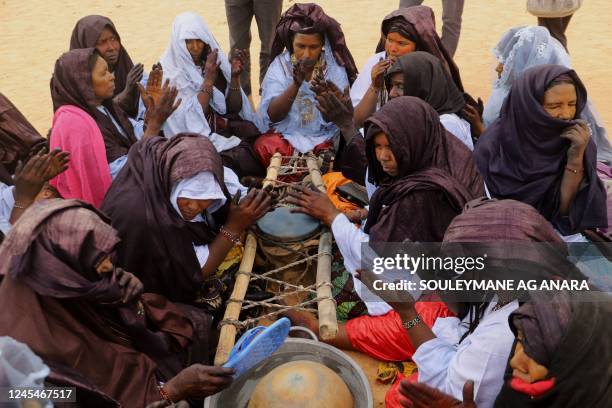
(328, 323)
(227, 337)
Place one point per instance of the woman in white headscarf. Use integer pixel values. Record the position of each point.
(522, 48)
(209, 87)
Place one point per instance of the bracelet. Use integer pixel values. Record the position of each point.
(234, 238)
(21, 206)
(411, 323)
(573, 170)
(164, 394)
(206, 91)
(235, 88)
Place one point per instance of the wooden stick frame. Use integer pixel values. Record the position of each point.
(227, 337)
(328, 322)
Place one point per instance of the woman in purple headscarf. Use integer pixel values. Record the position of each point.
(537, 151)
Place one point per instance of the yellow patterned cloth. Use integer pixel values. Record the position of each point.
(387, 372)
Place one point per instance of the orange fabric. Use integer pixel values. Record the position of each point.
(384, 337)
(332, 181)
(534, 390)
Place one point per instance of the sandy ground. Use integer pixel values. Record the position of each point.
(34, 33)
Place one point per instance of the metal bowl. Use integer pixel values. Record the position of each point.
(239, 393)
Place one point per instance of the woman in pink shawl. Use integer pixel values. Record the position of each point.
(89, 125)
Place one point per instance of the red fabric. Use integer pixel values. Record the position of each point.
(534, 390)
(271, 142)
(384, 337)
(88, 175)
(392, 398)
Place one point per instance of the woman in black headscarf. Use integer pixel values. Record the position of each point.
(539, 153)
(422, 75)
(562, 354)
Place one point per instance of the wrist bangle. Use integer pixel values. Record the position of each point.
(230, 236)
(411, 323)
(574, 170)
(164, 394)
(237, 88)
(21, 206)
(206, 91)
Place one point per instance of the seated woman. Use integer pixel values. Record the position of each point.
(477, 346)
(522, 48)
(89, 124)
(210, 91)
(422, 75)
(88, 316)
(100, 33)
(538, 152)
(308, 45)
(172, 206)
(404, 31)
(18, 140)
(424, 177)
(555, 339)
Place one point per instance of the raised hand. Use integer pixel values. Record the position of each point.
(134, 76)
(132, 286)
(471, 114)
(211, 68)
(157, 113)
(151, 94)
(302, 70)
(579, 136)
(40, 168)
(378, 73)
(336, 110)
(238, 61)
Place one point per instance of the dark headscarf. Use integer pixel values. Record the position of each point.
(428, 158)
(571, 338)
(419, 22)
(85, 35)
(426, 79)
(71, 84)
(76, 317)
(157, 241)
(17, 138)
(309, 18)
(522, 156)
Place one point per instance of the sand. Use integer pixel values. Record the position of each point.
(35, 32)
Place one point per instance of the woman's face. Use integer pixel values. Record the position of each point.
(384, 154)
(307, 46)
(105, 266)
(103, 81)
(396, 46)
(560, 101)
(190, 208)
(195, 48)
(523, 366)
(108, 45)
(397, 85)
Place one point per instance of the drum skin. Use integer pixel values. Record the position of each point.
(282, 225)
(301, 384)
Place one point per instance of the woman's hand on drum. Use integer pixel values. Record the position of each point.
(256, 203)
(314, 203)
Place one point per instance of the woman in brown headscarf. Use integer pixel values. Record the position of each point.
(404, 31)
(172, 207)
(64, 298)
(100, 33)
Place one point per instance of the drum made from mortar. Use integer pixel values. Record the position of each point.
(239, 393)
